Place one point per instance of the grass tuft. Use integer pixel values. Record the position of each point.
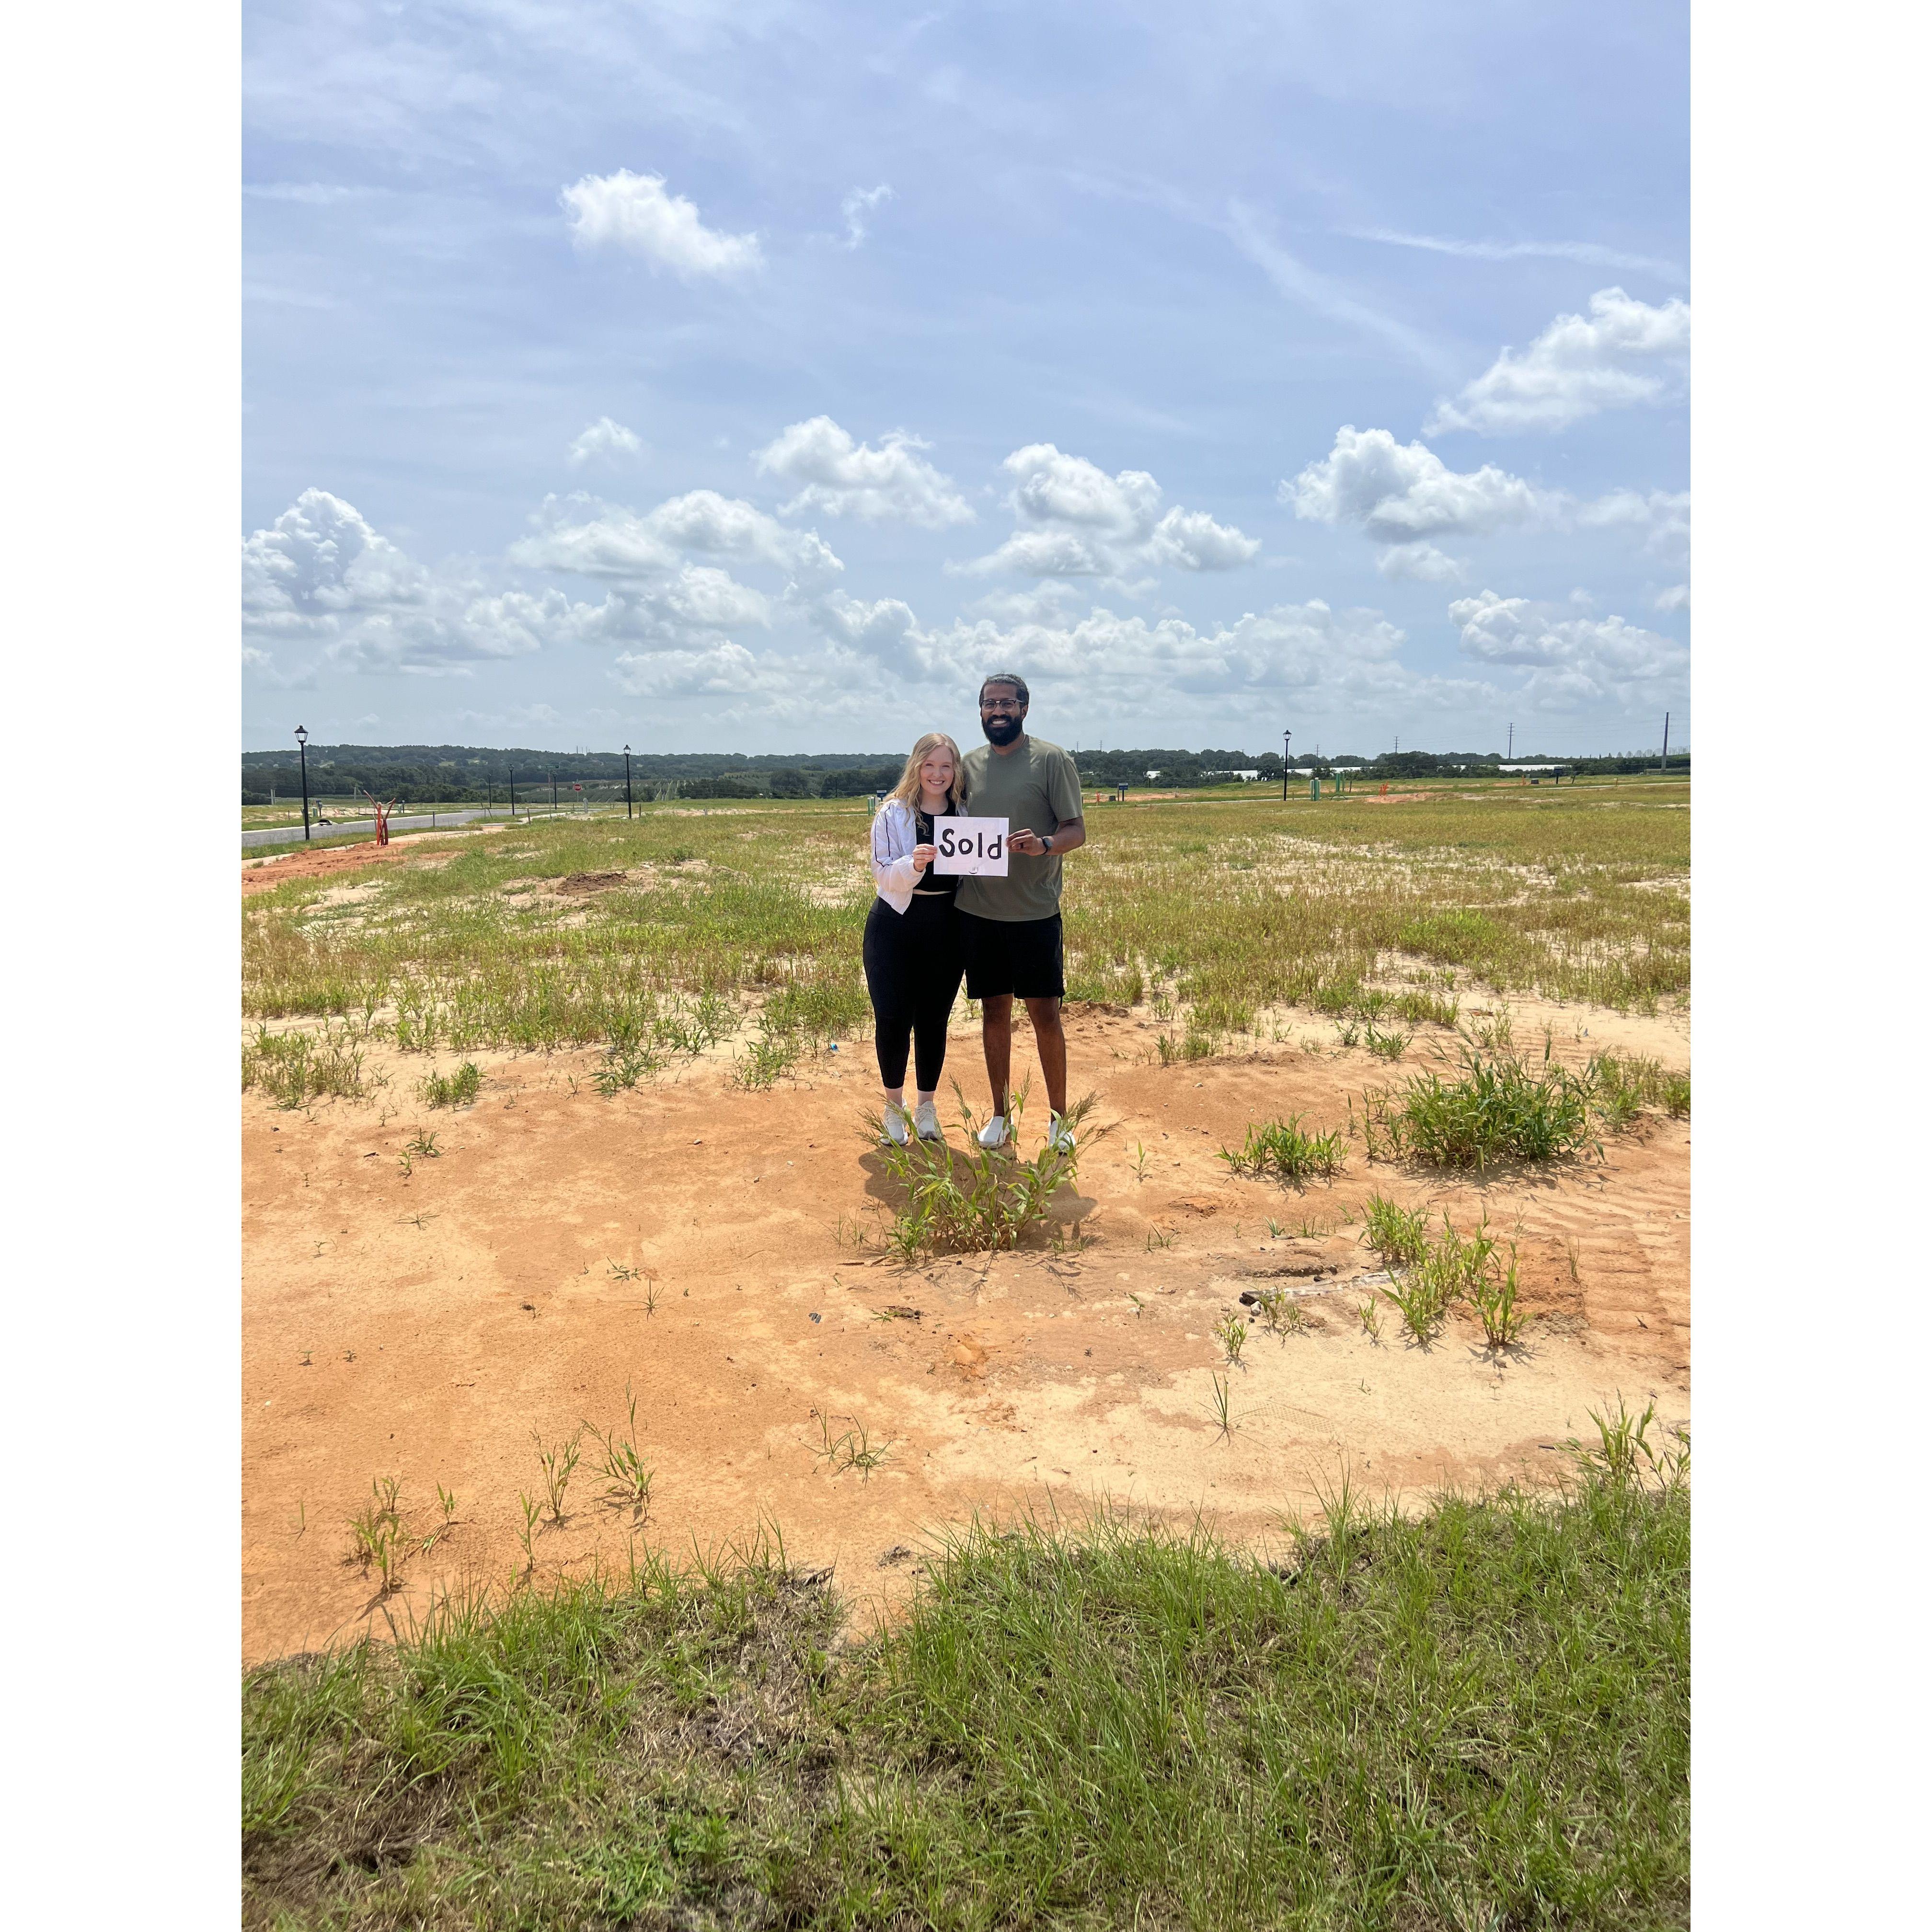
(453, 1090)
(293, 1069)
(973, 1201)
(1281, 1151)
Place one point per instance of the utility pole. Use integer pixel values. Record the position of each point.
(513, 791)
(627, 781)
(1285, 737)
(1510, 751)
(1663, 757)
(302, 740)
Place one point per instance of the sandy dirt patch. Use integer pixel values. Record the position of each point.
(261, 875)
(695, 1241)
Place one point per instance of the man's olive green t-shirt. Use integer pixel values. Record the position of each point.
(1034, 788)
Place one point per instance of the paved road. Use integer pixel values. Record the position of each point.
(281, 834)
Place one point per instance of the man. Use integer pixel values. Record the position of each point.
(1010, 927)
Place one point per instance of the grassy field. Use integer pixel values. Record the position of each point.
(1478, 1718)
(1214, 909)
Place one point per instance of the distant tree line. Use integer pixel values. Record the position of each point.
(461, 775)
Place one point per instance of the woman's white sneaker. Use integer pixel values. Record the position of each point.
(1059, 1134)
(926, 1122)
(896, 1124)
(994, 1133)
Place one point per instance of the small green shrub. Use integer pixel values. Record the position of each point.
(1497, 1110)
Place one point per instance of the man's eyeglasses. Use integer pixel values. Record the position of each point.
(1001, 704)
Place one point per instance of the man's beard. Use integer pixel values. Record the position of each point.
(1002, 730)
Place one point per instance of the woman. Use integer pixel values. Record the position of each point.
(913, 960)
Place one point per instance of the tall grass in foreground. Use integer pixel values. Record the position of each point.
(1478, 1718)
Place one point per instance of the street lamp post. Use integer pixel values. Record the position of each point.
(302, 740)
(1285, 737)
(627, 781)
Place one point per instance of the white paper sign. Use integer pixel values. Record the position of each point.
(976, 847)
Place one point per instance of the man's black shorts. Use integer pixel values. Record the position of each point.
(1023, 957)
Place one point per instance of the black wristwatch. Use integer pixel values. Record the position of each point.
(1045, 843)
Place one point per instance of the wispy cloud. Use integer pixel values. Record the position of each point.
(1310, 289)
(857, 209)
(1587, 252)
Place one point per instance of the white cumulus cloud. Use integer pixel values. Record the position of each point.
(597, 539)
(606, 439)
(845, 479)
(1399, 493)
(1574, 662)
(1404, 495)
(322, 577)
(1076, 521)
(1623, 353)
(634, 212)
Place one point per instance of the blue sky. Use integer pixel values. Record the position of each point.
(757, 377)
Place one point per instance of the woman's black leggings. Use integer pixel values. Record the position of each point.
(914, 964)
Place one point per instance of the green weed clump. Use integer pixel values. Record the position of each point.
(1479, 1717)
(1623, 1085)
(1400, 1235)
(974, 1200)
(453, 1090)
(1281, 1151)
(1497, 1110)
(293, 1069)
(1437, 1275)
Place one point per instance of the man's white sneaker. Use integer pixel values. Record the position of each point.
(896, 1124)
(1059, 1134)
(926, 1122)
(994, 1133)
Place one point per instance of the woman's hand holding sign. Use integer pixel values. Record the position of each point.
(921, 857)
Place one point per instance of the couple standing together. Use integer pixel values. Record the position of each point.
(927, 928)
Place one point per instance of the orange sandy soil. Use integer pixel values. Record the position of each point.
(424, 1325)
(276, 868)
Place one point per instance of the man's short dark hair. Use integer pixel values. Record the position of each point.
(1013, 678)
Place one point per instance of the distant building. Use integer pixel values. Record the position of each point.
(1153, 775)
(1532, 768)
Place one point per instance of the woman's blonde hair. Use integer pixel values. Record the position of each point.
(908, 789)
